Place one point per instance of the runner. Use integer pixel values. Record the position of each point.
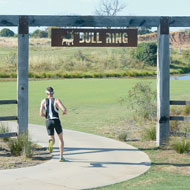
(49, 110)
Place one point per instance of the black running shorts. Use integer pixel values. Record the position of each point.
(52, 124)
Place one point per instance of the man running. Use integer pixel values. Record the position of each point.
(49, 110)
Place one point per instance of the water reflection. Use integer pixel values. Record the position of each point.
(181, 77)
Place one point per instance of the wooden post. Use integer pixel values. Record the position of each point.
(22, 78)
(163, 81)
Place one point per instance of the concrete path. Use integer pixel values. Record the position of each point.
(92, 161)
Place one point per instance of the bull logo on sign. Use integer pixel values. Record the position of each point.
(68, 39)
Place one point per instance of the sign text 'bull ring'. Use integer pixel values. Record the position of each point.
(94, 37)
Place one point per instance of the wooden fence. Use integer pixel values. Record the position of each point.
(8, 118)
(179, 118)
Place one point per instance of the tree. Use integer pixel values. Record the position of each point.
(144, 30)
(143, 101)
(5, 32)
(110, 7)
(39, 34)
(147, 53)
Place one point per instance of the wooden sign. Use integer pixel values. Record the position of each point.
(93, 37)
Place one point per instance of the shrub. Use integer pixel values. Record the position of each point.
(181, 145)
(174, 126)
(143, 101)
(16, 146)
(186, 54)
(187, 110)
(149, 133)
(4, 129)
(39, 34)
(144, 30)
(21, 145)
(123, 136)
(27, 148)
(147, 53)
(5, 32)
(12, 59)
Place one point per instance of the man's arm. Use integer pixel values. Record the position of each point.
(60, 104)
(42, 108)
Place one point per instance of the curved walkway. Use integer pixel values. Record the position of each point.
(92, 161)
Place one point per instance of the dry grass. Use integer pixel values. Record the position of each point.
(130, 127)
(9, 42)
(7, 161)
(165, 159)
(12, 42)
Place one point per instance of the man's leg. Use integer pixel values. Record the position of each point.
(61, 144)
(50, 131)
(52, 138)
(51, 143)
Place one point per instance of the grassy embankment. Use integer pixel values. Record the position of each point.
(48, 62)
(94, 107)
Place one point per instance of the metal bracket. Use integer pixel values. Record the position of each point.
(163, 119)
(164, 25)
(23, 25)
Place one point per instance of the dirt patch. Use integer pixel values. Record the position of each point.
(177, 39)
(7, 161)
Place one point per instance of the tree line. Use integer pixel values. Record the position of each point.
(5, 32)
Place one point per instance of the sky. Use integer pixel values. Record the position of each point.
(87, 7)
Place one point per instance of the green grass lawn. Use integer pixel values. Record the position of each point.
(93, 105)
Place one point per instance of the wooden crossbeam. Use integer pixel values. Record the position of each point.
(179, 102)
(8, 102)
(95, 21)
(8, 118)
(179, 118)
(11, 134)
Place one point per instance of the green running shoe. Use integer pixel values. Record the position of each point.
(50, 146)
(62, 159)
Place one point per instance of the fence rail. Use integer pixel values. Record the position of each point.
(179, 118)
(179, 102)
(180, 134)
(8, 102)
(8, 118)
(11, 134)
(95, 21)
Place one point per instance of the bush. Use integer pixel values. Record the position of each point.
(81, 74)
(123, 136)
(181, 145)
(149, 133)
(39, 34)
(5, 32)
(4, 129)
(144, 30)
(174, 126)
(143, 101)
(187, 110)
(147, 53)
(186, 54)
(21, 145)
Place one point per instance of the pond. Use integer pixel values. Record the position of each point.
(181, 77)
